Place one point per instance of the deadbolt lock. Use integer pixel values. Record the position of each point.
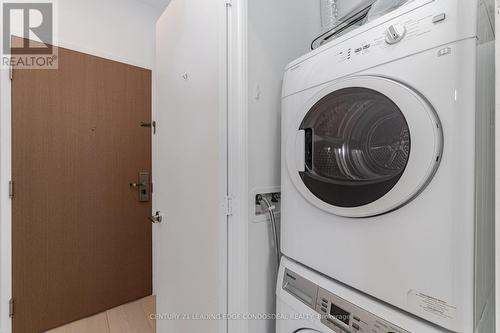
(142, 187)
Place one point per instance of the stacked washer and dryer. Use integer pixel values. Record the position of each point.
(388, 177)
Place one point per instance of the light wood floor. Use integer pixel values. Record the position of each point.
(129, 318)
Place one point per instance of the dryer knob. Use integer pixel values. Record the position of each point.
(395, 33)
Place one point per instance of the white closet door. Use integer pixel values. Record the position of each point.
(189, 270)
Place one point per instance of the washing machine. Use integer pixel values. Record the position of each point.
(388, 161)
(308, 302)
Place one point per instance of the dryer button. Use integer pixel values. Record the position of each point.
(439, 18)
(395, 33)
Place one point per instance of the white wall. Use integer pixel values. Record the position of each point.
(278, 32)
(122, 30)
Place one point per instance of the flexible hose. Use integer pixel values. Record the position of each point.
(270, 209)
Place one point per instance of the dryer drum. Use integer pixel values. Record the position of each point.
(355, 137)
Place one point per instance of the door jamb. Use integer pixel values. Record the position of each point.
(5, 201)
(238, 165)
(224, 190)
(497, 173)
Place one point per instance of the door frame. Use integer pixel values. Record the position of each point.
(238, 156)
(5, 201)
(497, 171)
(6, 175)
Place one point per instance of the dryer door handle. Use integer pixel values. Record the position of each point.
(300, 151)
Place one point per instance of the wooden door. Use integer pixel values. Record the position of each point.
(82, 241)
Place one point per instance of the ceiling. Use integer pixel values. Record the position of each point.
(159, 4)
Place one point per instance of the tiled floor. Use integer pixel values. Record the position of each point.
(128, 318)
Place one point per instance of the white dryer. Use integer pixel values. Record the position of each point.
(308, 302)
(388, 158)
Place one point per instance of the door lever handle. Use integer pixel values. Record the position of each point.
(157, 218)
(151, 124)
(137, 185)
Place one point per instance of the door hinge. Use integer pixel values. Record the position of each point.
(11, 72)
(11, 189)
(157, 218)
(11, 308)
(229, 205)
(229, 3)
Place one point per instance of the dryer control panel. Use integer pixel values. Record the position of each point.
(421, 26)
(335, 312)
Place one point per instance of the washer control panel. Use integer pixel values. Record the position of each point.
(335, 312)
(342, 316)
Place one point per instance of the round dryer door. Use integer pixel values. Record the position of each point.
(363, 147)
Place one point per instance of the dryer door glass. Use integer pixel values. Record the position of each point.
(357, 147)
